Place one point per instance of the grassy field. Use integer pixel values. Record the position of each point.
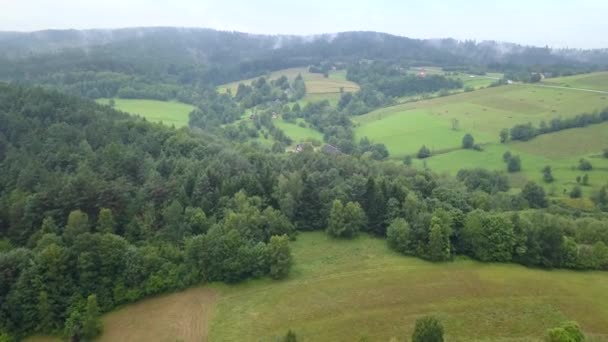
(170, 113)
(483, 113)
(317, 87)
(596, 81)
(348, 290)
(296, 133)
(468, 80)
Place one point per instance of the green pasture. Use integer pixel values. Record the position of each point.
(352, 290)
(360, 290)
(595, 81)
(297, 133)
(483, 113)
(170, 113)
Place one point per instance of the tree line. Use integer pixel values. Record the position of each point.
(525, 132)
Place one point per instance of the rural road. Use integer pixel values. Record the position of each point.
(571, 88)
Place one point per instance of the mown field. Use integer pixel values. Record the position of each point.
(317, 87)
(296, 132)
(169, 113)
(595, 81)
(348, 290)
(483, 113)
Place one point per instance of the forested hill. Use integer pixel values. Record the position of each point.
(194, 56)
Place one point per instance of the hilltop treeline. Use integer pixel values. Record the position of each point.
(151, 62)
(99, 209)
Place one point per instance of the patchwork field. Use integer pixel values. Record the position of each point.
(349, 290)
(483, 113)
(170, 113)
(317, 86)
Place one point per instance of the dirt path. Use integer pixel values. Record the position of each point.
(571, 88)
(182, 316)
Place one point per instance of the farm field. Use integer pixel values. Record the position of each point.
(297, 133)
(348, 290)
(483, 113)
(167, 112)
(468, 80)
(595, 81)
(317, 87)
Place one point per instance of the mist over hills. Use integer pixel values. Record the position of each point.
(200, 45)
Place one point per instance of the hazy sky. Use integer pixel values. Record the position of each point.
(557, 23)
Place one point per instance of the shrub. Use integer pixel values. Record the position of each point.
(428, 329)
(424, 152)
(584, 165)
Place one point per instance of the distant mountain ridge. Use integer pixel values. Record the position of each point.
(222, 56)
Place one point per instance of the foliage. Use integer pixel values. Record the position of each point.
(468, 141)
(568, 332)
(345, 221)
(424, 152)
(398, 236)
(535, 195)
(280, 256)
(525, 132)
(576, 192)
(484, 180)
(290, 337)
(584, 165)
(514, 164)
(548, 174)
(99, 203)
(428, 329)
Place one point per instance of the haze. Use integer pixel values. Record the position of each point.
(574, 24)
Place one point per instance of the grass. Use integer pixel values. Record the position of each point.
(180, 316)
(348, 290)
(317, 87)
(297, 133)
(483, 113)
(564, 167)
(595, 81)
(468, 80)
(170, 113)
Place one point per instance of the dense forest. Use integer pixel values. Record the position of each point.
(99, 208)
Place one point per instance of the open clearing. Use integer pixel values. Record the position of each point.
(169, 113)
(346, 290)
(468, 80)
(595, 81)
(297, 133)
(317, 87)
(180, 316)
(483, 113)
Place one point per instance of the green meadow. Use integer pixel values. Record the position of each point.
(351, 290)
(169, 113)
(296, 132)
(595, 81)
(483, 113)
